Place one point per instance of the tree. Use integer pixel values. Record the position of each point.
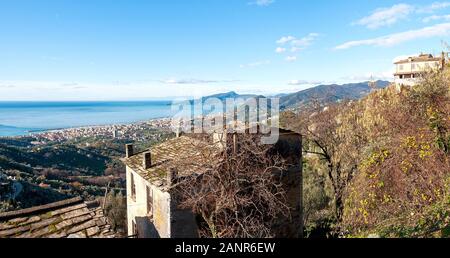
(332, 133)
(386, 155)
(116, 211)
(241, 195)
(315, 198)
(405, 163)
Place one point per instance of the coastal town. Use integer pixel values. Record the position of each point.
(134, 131)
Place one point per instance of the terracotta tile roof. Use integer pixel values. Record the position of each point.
(72, 218)
(185, 153)
(420, 58)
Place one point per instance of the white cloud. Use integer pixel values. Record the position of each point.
(305, 41)
(8, 86)
(386, 16)
(304, 82)
(296, 44)
(436, 18)
(262, 2)
(194, 81)
(131, 90)
(284, 40)
(299, 43)
(255, 64)
(291, 58)
(438, 30)
(53, 90)
(384, 76)
(433, 7)
(280, 50)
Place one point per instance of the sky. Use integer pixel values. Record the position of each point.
(61, 50)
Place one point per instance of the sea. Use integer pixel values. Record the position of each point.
(23, 118)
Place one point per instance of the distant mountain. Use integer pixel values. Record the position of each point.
(223, 96)
(329, 93)
(323, 93)
(231, 94)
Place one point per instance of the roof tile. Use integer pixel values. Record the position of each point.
(56, 220)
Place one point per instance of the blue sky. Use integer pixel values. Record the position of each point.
(113, 50)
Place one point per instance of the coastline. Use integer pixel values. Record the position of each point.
(19, 119)
(121, 130)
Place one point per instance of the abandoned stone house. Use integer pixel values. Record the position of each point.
(152, 209)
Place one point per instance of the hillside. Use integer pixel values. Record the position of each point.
(323, 93)
(34, 171)
(51, 172)
(328, 93)
(379, 166)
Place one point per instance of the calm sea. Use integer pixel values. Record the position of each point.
(21, 118)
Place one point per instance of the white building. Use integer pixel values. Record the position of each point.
(152, 210)
(409, 70)
(153, 176)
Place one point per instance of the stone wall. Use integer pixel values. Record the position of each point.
(291, 226)
(165, 221)
(183, 224)
(148, 226)
(290, 147)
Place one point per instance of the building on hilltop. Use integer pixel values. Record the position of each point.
(72, 218)
(152, 209)
(409, 70)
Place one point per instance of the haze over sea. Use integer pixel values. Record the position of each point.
(21, 118)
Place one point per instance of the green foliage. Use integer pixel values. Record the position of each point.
(76, 167)
(32, 195)
(316, 200)
(6, 206)
(116, 210)
(400, 186)
(433, 222)
(388, 156)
